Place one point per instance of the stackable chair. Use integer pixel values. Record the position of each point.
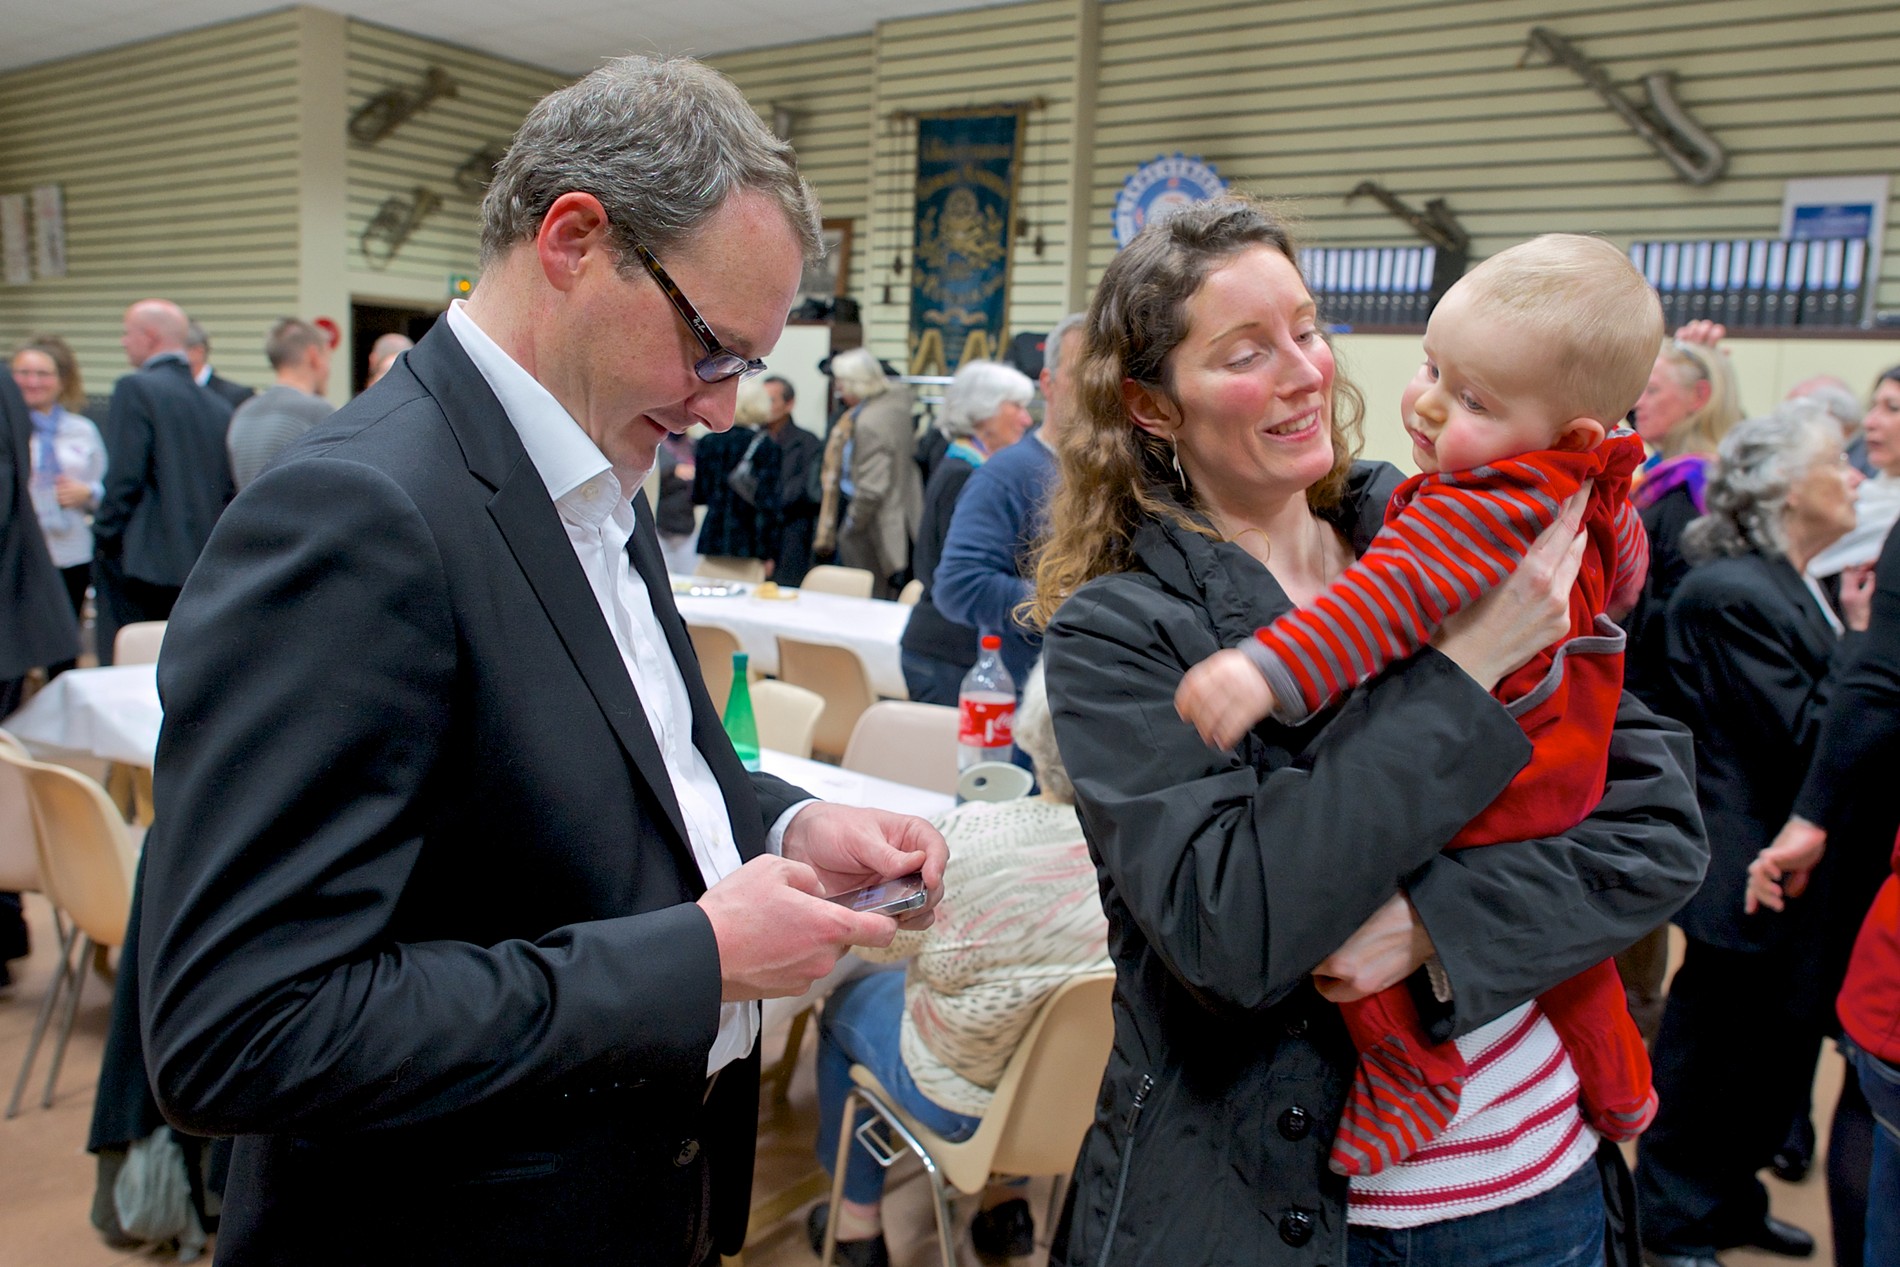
(837, 674)
(715, 645)
(906, 742)
(828, 578)
(138, 642)
(787, 716)
(725, 567)
(87, 855)
(1041, 1110)
(912, 591)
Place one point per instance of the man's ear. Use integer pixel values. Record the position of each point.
(1150, 409)
(1579, 435)
(574, 229)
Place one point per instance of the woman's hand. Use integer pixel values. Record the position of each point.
(1781, 870)
(1857, 597)
(1503, 630)
(74, 495)
(1386, 949)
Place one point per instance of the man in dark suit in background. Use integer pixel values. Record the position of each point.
(459, 899)
(198, 353)
(167, 474)
(801, 455)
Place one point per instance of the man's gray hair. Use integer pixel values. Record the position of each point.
(1052, 346)
(977, 391)
(662, 142)
(195, 336)
(857, 372)
(1759, 463)
(289, 339)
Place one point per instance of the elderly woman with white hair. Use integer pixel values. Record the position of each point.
(1020, 916)
(873, 492)
(1753, 651)
(985, 409)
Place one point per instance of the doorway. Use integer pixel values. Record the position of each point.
(369, 322)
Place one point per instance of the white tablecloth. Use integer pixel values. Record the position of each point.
(869, 626)
(113, 713)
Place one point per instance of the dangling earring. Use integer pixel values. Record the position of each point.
(1174, 450)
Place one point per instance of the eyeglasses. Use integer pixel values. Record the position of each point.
(719, 363)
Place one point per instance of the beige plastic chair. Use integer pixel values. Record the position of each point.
(838, 675)
(87, 855)
(787, 716)
(827, 578)
(19, 850)
(906, 742)
(715, 645)
(726, 568)
(912, 591)
(139, 642)
(1041, 1110)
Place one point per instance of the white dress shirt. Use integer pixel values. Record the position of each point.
(598, 516)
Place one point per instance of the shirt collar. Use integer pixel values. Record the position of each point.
(562, 454)
(159, 358)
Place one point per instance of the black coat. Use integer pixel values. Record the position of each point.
(1750, 656)
(929, 632)
(37, 626)
(418, 909)
(1646, 662)
(1227, 878)
(732, 526)
(168, 474)
(233, 394)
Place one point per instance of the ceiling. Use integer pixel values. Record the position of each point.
(573, 38)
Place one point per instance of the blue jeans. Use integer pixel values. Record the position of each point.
(1880, 1083)
(1560, 1228)
(860, 1026)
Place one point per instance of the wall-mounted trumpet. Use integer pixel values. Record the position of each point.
(1436, 224)
(1697, 157)
(393, 222)
(478, 169)
(393, 107)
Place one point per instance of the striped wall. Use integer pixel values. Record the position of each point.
(186, 190)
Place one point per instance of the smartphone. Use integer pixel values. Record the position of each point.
(889, 897)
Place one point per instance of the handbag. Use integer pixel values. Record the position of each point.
(743, 480)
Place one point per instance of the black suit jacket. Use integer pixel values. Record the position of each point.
(37, 627)
(418, 911)
(1751, 659)
(233, 394)
(168, 475)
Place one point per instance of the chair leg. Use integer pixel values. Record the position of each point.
(946, 1214)
(828, 1251)
(1058, 1188)
(66, 1027)
(47, 1005)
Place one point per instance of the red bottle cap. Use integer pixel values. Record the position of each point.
(992, 642)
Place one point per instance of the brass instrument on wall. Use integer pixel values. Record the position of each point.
(1683, 143)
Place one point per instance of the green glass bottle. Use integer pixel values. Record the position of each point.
(741, 727)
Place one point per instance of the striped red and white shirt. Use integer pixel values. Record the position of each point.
(1517, 1133)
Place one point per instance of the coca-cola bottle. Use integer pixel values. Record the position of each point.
(986, 708)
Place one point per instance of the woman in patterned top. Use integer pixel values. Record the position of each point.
(1019, 917)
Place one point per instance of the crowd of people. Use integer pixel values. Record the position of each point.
(1376, 794)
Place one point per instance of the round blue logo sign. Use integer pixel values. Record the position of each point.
(1159, 188)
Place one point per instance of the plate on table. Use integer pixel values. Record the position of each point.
(704, 587)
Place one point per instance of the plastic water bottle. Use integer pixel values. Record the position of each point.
(986, 709)
(741, 727)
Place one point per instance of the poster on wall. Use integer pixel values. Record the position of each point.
(15, 248)
(49, 231)
(1157, 189)
(966, 195)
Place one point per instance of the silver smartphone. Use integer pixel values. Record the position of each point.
(888, 897)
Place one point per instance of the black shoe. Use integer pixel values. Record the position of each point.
(1651, 1259)
(1004, 1231)
(869, 1252)
(1777, 1237)
(1795, 1158)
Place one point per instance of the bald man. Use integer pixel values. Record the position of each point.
(167, 474)
(383, 354)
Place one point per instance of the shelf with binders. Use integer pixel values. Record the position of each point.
(1378, 289)
(1780, 284)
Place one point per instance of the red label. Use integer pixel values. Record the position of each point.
(985, 725)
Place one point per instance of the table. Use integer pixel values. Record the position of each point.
(114, 713)
(869, 626)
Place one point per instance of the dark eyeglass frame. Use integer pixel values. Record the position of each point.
(720, 362)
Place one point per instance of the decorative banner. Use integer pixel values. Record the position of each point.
(966, 194)
(1159, 188)
(15, 247)
(49, 231)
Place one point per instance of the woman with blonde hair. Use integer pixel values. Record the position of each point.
(1208, 483)
(68, 457)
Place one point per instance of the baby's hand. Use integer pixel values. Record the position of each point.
(1224, 696)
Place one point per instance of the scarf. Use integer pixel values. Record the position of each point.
(1661, 476)
(46, 427)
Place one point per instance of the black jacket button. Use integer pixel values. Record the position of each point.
(1296, 1123)
(1296, 1027)
(1296, 1227)
(688, 1150)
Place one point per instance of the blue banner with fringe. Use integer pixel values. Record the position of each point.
(966, 194)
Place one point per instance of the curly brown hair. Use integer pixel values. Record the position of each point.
(1115, 476)
(72, 390)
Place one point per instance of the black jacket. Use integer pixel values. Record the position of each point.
(233, 394)
(929, 632)
(1646, 663)
(1226, 878)
(168, 474)
(734, 527)
(36, 626)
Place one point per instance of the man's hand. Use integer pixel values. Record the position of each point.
(1224, 697)
(1386, 949)
(1781, 871)
(1703, 332)
(848, 848)
(777, 934)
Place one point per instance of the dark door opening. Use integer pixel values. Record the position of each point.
(369, 322)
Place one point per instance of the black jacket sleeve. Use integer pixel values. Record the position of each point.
(1860, 735)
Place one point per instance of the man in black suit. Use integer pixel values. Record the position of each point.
(459, 901)
(801, 455)
(198, 354)
(168, 476)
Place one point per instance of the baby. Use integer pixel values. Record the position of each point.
(1531, 362)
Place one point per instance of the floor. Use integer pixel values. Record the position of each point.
(49, 1176)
